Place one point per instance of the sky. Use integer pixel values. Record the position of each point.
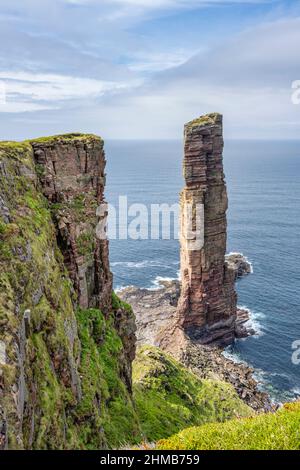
(140, 69)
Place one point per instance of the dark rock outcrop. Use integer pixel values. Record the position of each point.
(239, 263)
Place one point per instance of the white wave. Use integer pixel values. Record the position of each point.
(259, 375)
(255, 321)
(233, 356)
(141, 264)
(296, 391)
(157, 282)
(119, 289)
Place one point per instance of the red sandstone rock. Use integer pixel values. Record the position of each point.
(71, 170)
(207, 307)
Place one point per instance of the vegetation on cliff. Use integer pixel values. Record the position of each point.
(65, 138)
(65, 371)
(106, 404)
(169, 397)
(63, 382)
(273, 431)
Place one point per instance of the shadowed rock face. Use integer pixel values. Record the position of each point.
(208, 304)
(72, 175)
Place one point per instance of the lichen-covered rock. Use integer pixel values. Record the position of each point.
(65, 371)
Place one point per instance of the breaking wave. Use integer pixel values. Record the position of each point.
(157, 282)
(255, 321)
(141, 264)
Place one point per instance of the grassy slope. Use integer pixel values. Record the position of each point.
(106, 406)
(278, 431)
(170, 398)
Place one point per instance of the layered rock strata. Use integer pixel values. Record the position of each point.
(65, 368)
(207, 308)
(72, 175)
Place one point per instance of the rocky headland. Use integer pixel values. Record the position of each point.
(67, 342)
(69, 374)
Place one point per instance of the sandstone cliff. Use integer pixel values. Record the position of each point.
(66, 341)
(207, 307)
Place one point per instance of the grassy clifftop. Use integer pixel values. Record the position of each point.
(277, 431)
(169, 397)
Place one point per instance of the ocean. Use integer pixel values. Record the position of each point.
(263, 180)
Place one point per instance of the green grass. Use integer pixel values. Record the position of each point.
(207, 119)
(273, 431)
(74, 361)
(170, 398)
(106, 404)
(66, 137)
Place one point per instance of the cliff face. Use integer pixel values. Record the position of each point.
(71, 172)
(66, 341)
(207, 307)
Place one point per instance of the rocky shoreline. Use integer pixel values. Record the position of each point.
(155, 312)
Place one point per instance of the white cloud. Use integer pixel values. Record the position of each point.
(153, 4)
(247, 78)
(156, 62)
(131, 79)
(25, 90)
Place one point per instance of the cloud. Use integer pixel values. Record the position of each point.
(125, 70)
(248, 78)
(158, 4)
(264, 55)
(25, 90)
(156, 62)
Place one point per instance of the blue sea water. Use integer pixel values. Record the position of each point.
(263, 180)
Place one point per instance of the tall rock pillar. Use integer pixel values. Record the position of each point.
(207, 307)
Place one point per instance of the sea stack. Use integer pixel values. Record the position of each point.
(207, 308)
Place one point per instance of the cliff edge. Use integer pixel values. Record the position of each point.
(66, 341)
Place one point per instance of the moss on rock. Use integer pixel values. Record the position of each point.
(207, 119)
(62, 385)
(65, 138)
(106, 410)
(169, 397)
